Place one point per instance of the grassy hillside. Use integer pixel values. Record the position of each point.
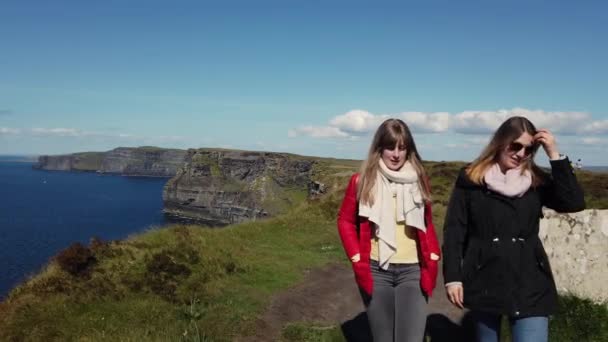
(180, 282)
(595, 185)
(187, 283)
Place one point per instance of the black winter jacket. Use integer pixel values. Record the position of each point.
(491, 243)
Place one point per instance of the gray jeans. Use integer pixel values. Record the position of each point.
(397, 309)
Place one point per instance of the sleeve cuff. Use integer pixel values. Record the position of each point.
(453, 283)
(563, 159)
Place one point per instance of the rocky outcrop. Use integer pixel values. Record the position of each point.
(577, 246)
(128, 161)
(316, 189)
(221, 187)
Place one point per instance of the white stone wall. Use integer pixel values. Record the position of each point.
(577, 246)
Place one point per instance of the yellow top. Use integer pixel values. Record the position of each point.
(407, 251)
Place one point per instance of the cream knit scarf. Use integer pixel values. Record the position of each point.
(410, 207)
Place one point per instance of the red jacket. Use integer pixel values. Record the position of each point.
(355, 233)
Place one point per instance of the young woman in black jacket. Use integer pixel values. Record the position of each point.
(494, 261)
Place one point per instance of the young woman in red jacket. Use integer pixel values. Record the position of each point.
(386, 228)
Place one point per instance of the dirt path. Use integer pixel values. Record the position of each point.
(330, 296)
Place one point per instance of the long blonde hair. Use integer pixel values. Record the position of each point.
(508, 132)
(390, 133)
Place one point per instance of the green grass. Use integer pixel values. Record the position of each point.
(579, 320)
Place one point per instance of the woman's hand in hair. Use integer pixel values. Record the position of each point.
(455, 294)
(547, 140)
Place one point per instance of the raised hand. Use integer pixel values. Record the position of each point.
(547, 140)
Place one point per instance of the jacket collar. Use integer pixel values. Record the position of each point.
(463, 181)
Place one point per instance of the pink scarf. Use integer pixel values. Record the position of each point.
(511, 184)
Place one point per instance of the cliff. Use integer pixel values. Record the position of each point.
(217, 187)
(87, 161)
(128, 161)
(220, 187)
(143, 161)
(577, 246)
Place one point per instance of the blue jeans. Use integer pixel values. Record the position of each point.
(527, 329)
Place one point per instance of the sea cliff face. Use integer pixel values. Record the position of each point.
(220, 187)
(128, 161)
(88, 161)
(212, 186)
(143, 161)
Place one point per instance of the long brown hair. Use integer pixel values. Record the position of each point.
(390, 133)
(508, 132)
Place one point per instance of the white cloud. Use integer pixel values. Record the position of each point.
(360, 121)
(594, 141)
(59, 132)
(420, 122)
(558, 122)
(318, 132)
(596, 127)
(480, 122)
(7, 131)
(357, 121)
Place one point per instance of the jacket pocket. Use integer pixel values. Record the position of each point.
(471, 262)
(542, 261)
(483, 270)
(538, 281)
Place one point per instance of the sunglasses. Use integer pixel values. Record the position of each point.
(528, 150)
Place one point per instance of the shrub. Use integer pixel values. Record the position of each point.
(163, 263)
(579, 319)
(164, 275)
(76, 259)
(96, 243)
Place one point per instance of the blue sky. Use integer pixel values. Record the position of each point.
(308, 77)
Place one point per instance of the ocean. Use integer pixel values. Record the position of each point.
(43, 212)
